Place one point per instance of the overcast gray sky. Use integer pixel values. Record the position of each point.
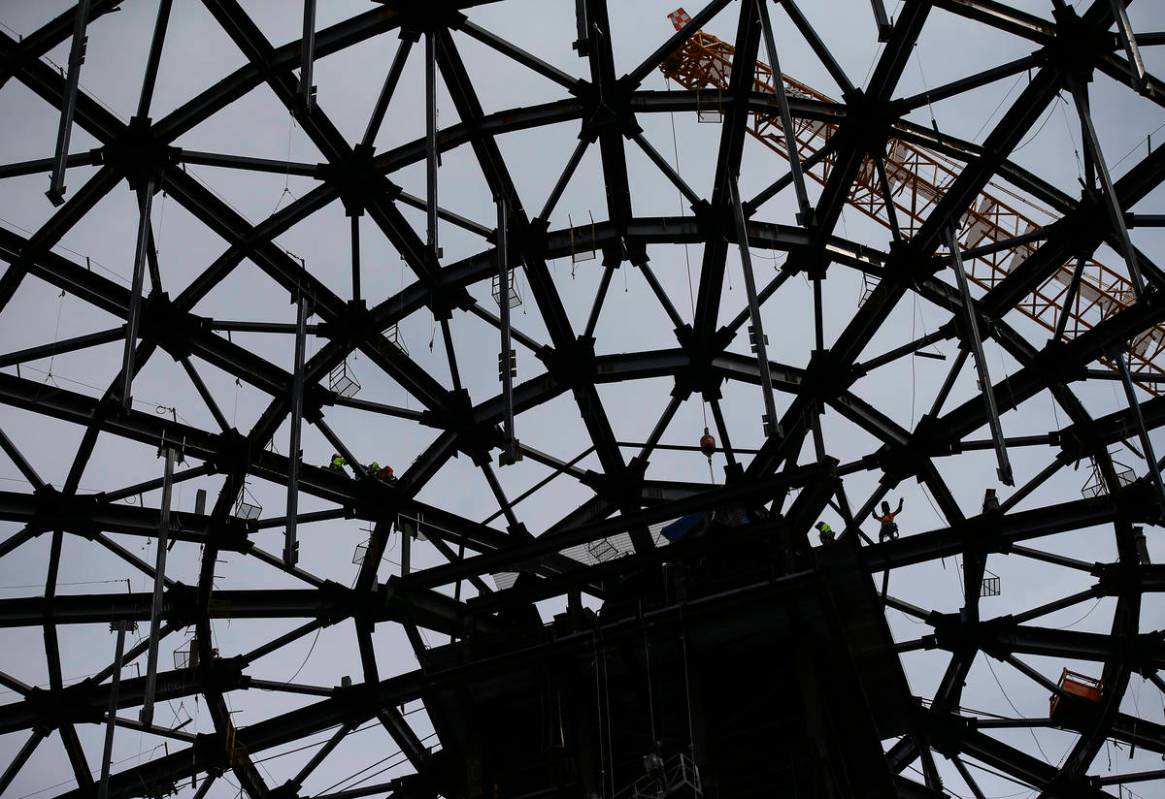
(198, 53)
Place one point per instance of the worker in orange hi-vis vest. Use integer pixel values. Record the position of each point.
(679, 18)
(889, 529)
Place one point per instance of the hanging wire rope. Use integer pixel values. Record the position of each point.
(306, 657)
(1011, 704)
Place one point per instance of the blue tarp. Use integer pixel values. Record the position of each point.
(682, 526)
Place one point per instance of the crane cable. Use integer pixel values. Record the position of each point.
(687, 255)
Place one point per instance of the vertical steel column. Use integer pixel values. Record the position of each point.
(133, 321)
(510, 453)
(355, 256)
(805, 213)
(172, 456)
(290, 544)
(1142, 431)
(762, 358)
(307, 91)
(976, 344)
(406, 549)
(111, 715)
(431, 142)
(883, 21)
(582, 29)
(56, 192)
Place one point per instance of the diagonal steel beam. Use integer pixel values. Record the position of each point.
(56, 190)
(975, 343)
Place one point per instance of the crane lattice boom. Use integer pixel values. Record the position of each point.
(918, 178)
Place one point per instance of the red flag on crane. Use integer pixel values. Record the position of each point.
(679, 18)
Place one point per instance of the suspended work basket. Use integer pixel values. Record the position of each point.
(1095, 486)
(394, 338)
(581, 249)
(515, 297)
(247, 507)
(343, 381)
(990, 585)
(360, 553)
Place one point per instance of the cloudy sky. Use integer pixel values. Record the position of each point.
(198, 53)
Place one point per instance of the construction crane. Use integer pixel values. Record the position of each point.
(918, 178)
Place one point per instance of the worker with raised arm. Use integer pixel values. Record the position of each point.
(889, 529)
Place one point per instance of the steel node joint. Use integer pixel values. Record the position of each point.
(139, 155)
(571, 366)
(1077, 46)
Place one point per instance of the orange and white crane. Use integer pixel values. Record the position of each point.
(918, 178)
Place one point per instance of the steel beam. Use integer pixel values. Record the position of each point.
(805, 210)
(1124, 31)
(728, 159)
(510, 453)
(172, 454)
(882, 21)
(294, 453)
(972, 340)
(111, 717)
(526, 59)
(389, 88)
(151, 76)
(431, 152)
(21, 757)
(1107, 190)
(773, 427)
(133, 321)
(56, 190)
(307, 89)
(1142, 431)
(818, 46)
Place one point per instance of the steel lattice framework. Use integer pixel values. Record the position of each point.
(1067, 49)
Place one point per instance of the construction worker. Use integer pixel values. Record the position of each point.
(337, 463)
(888, 530)
(654, 766)
(381, 473)
(826, 533)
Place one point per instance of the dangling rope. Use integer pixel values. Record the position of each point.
(688, 695)
(599, 712)
(925, 88)
(650, 690)
(610, 747)
(56, 336)
(287, 171)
